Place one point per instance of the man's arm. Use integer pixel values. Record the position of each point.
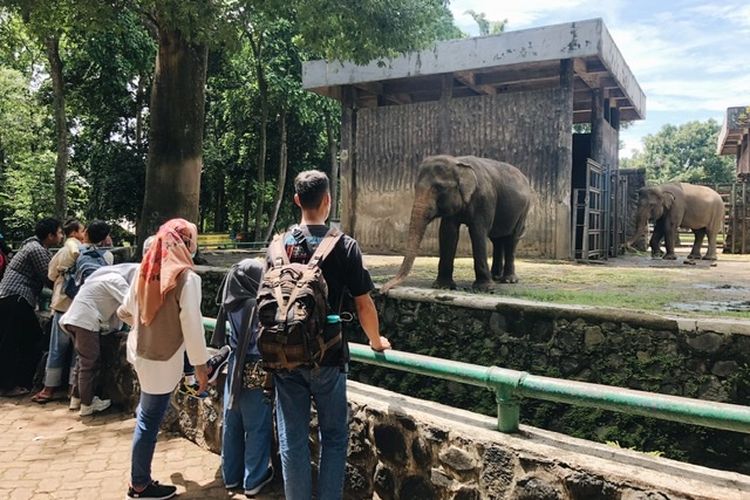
(40, 260)
(368, 318)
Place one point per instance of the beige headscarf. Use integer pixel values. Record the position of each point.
(169, 255)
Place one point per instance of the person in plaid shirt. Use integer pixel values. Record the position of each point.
(20, 334)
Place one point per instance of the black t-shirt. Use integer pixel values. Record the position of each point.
(343, 270)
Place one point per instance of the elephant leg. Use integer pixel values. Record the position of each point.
(448, 242)
(695, 253)
(498, 251)
(479, 249)
(655, 240)
(670, 233)
(509, 271)
(712, 235)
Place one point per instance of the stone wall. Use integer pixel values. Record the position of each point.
(684, 357)
(404, 448)
(640, 351)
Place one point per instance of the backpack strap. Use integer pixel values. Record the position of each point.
(277, 251)
(326, 246)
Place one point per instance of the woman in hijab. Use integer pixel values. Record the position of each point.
(248, 429)
(163, 308)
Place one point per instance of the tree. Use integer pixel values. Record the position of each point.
(683, 153)
(26, 162)
(487, 27)
(344, 29)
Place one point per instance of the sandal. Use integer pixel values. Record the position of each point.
(16, 391)
(40, 397)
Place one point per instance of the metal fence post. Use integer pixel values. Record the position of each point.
(508, 409)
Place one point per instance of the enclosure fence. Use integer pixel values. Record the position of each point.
(511, 385)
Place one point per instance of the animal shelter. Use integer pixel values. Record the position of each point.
(547, 100)
(734, 140)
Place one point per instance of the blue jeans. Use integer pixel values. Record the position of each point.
(61, 352)
(246, 437)
(150, 413)
(327, 387)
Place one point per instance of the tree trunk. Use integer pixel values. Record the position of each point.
(52, 44)
(221, 202)
(261, 181)
(246, 206)
(282, 176)
(333, 153)
(139, 98)
(175, 149)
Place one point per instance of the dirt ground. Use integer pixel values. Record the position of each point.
(634, 281)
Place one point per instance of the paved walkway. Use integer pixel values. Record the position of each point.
(48, 452)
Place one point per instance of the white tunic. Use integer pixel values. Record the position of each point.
(161, 377)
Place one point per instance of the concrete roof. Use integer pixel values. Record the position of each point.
(516, 60)
(732, 131)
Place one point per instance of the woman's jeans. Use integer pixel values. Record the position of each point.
(61, 353)
(327, 387)
(246, 437)
(150, 413)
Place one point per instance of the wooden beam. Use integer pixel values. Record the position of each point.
(581, 70)
(412, 85)
(469, 80)
(521, 75)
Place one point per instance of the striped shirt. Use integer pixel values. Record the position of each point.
(26, 274)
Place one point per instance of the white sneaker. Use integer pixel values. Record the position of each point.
(96, 406)
(75, 403)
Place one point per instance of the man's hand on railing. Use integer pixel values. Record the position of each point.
(381, 345)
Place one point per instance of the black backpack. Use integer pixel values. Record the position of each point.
(293, 306)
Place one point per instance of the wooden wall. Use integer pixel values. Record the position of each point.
(531, 130)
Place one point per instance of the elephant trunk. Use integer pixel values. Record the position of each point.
(641, 226)
(421, 214)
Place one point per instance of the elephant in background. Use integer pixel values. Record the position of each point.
(490, 197)
(678, 204)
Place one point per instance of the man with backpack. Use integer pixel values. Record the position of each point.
(309, 270)
(68, 269)
(20, 333)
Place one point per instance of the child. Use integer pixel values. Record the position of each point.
(247, 433)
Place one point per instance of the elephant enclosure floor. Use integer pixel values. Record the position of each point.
(631, 281)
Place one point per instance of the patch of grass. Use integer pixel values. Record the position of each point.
(600, 298)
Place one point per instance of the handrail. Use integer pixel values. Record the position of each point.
(511, 385)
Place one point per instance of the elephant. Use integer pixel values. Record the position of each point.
(492, 198)
(679, 204)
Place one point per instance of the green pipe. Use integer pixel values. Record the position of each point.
(510, 385)
(679, 409)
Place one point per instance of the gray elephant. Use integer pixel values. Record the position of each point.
(678, 204)
(492, 198)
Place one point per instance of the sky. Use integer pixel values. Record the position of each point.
(691, 58)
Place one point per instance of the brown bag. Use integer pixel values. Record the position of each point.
(292, 308)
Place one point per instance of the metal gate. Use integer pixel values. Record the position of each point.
(590, 215)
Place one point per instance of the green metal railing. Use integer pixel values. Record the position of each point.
(511, 385)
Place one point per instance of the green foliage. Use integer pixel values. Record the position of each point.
(487, 27)
(364, 30)
(26, 162)
(683, 153)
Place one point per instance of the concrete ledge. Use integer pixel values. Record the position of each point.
(572, 311)
(556, 457)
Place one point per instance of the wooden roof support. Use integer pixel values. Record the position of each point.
(468, 79)
(581, 70)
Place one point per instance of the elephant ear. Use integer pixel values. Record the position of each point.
(467, 180)
(667, 199)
